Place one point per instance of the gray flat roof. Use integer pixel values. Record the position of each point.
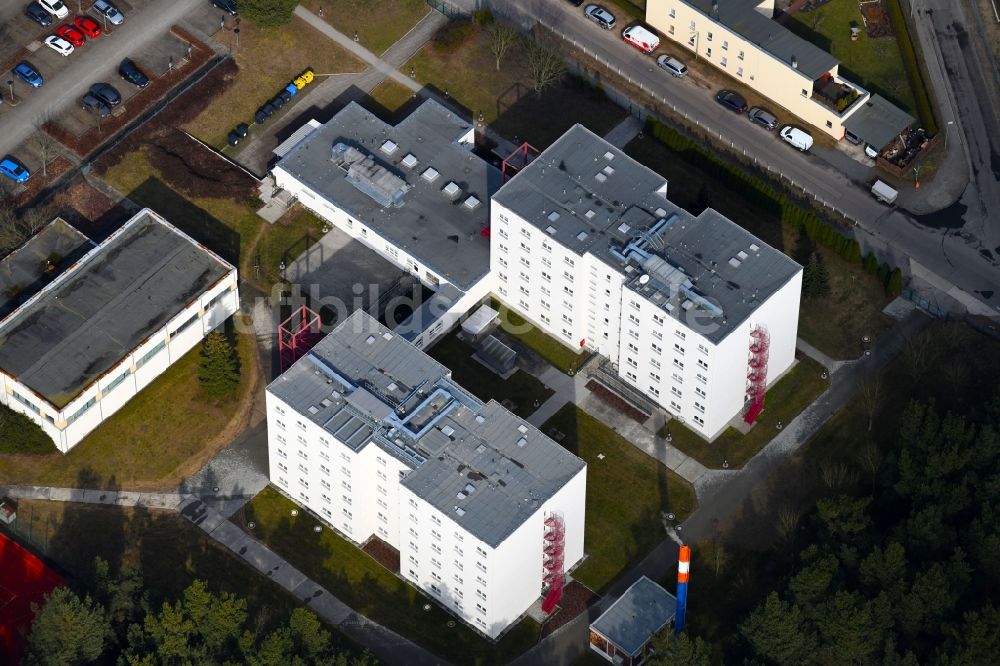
(24, 272)
(437, 228)
(744, 19)
(878, 121)
(706, 271)
(92, 316)
(482, 466)
(637, 615)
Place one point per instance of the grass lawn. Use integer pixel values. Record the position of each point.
(379, 23)
(550, 349)
(874, 64)
(172, 553)
(789, 396)
(161, 435)
(835, 323)
(621, 526)
(522, 389)
(268, 61)
(504, 97)
(391, 95)
(369, 588)
(285, 241)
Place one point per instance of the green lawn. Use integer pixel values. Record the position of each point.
(627, 491)
(469, 75)
(522, 389)
(369, 588)
(159, 437)
(789, 396)
(391, 95)
(379, 23)
(874, 64)
(550, 349)
(284, 241)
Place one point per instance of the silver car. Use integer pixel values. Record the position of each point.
(762, 117)
(109, 11)
(672, 65)
(600, 16)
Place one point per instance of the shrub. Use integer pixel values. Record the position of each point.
(268, 13)
(19, 434)
(455, 33)
(895, 285)
(871, 263)
(925, 111)
(483, 17)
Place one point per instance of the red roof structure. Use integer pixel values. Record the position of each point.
(24, 579)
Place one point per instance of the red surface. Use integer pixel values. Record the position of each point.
(24, 579)
(71, 35)
(87, 26)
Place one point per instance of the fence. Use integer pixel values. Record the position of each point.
(448, 9)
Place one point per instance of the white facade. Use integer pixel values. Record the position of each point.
(68, 425)
(358, 489)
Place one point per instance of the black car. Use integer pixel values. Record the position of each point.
(128, 71)
(242, 130)
(763, 117)
(93, 103)
(732, 101)
(226, 6)
(106, 93)
(37, 14)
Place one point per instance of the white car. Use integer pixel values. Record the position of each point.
(55, 7)
(59, 45)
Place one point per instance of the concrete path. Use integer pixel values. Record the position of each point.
(623, 132)
(818, 356)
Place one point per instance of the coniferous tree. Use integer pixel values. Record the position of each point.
(218, 371)
(67, 630)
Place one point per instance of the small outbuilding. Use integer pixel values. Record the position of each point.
(623, 632)
(480, 322)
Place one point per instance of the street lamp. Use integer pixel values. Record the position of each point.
(10, 84)
(236, 31)
(222, 22)
(947, 131)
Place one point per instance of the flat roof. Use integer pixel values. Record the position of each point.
(637, 615)
(878, 121)
(591, 197)
(480, 465)
(104, 306)
(744, 19)
(386, 182)
(26, 270)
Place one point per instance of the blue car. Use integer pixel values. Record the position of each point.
(13, 169)
(27, 73)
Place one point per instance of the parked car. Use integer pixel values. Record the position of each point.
(87, 26)
(71, 35)
(12, 167)
(25, 71)
(242, 129)
(38, 14)
(55, 7)
(796, 137)
(109, 11)
(226, 6)
(106, 93)
(672, 65)
(576, 3)
(59, 45)
(95, 104)
(732, 101)
(128, 71)
(641, 38)
(762, 117)
(600, 16)
(871, 151)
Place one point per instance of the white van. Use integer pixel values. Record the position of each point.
(796, 137)
(641, 38)
(884, 193)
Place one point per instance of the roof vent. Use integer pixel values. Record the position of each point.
(661, 212)
(754, 247)
(589, 214)
(448, 431)
(550, 230)
(480, 418)
(469, 488)
(734, 262)
(582, 236)
(522, 429)
(460, 511)
(430, 174)
(795, 62)
(643, 279)
(553, 216)
(623, 228)
(370, 340)
(391, 387)
(481, 448)
(742, 255)
(387, 336)
(389, 147)
(472, 203)
(410, 161)
(609, 155)
(313, 409)
(600, 177)
(687, 304)
(522, 441)
(608, 169)
(460, 495)
(325, 402)
(451, 190)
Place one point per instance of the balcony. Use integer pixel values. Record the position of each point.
(836, 94)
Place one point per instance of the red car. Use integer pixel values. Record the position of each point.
(71, 35)
(87, 26)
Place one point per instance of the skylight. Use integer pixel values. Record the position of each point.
(410, 161)
(430, 174)
(389, 147)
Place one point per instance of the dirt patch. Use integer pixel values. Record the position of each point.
(576, 599)
(57, 167)
(382, 553)
(611, 398)
(88, 209)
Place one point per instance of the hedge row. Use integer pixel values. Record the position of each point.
(767, 197)
(925, 110)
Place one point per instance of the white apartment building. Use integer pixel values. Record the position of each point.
(415, 193)
(372, 435)
(94, 336)
(587, 246)
(740, 38)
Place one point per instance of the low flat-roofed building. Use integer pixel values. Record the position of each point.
(414, 192)
(82, 346)
(623, 632)
(374, 437)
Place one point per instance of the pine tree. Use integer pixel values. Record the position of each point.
(218, 372)
(871, 263)
(895, 285)
(67, 630)
(815, 277)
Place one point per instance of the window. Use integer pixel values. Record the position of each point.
(654, 376)
(568, 290)
(148, 356)
(673, 13)
(670, 30)
(679, 364)
(739, 71)
(631, 361)
(655, 391)
(680, 334)
(702, 363)
(805, 93)
(460, 567)
(700, 392)
(692, 26)
(183, 327)
(678, 348)
(481, 608)
(90, 403)
(701, 378)
(569, 262)
(708, 51)
(725, 45)
(700, 421)
(703, 349)
(480, 594)
(723, 62)
(676, 391)
(700, 407)
(708, 36)
(829, 124)
(657, 348)
(740, 56)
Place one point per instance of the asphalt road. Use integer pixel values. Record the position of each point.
(95, 61)
(946, 258)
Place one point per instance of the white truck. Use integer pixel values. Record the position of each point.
(884, 193)
(641, 38)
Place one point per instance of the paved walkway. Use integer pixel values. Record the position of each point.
(623, 132)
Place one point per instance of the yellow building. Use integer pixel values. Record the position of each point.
(740, 38)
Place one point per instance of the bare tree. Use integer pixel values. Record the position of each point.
(787, 524)
(871, 397)
(546, 65)
(836, 474)
(918, 351)
(871, 460)
(44, 142)
(503, 37)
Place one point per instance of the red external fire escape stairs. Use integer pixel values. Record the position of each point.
(553, 575)
(760, 344)
(297, 335)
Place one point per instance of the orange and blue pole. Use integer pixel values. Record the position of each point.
(683, 571)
